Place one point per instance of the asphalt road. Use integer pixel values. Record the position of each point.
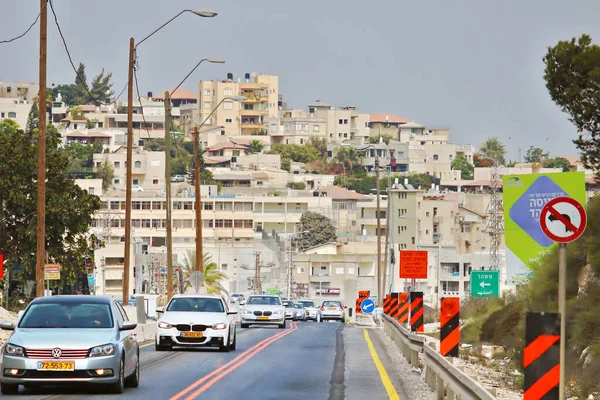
(307, 360)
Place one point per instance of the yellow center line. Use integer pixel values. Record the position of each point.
(385, 378)
(146, 345)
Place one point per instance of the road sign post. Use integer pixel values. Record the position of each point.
(485, 283)
(197, 278)
(563, 220)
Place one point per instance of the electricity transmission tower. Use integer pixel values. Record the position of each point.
(495, 211)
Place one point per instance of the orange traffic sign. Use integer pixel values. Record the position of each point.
(413, 264)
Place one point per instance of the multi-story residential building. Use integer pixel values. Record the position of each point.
(239, 118)
(148, 168)
(19, 90)
(452, 227)
(386, 125)
(16, 99)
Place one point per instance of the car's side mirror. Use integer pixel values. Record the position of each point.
(128, 326)
(160, 310)
(7, 326)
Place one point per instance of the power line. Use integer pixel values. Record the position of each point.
(85, 86)
(28, 29)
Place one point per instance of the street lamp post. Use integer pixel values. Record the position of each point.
(129, 180)
(168, 174)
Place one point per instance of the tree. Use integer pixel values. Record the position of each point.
(480, 161)
(536, 155)
(69, 208)
(33, 120)
(558, 162)
(286, 164)
(379, 138)
(296, 152)
(572, 77)
(420, 180)
(101, 88)
(347, 157)
(77, 114)
(466, 168)
(256, 146)
(320, 230)
(296, 185)
(320, 144)
(106, 173)
(212, 275)
(80, 76)
(494, 150)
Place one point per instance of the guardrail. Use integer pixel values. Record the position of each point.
(442, 376)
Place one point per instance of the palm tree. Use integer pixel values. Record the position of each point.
(494, 150)
(212, 275)
(348, 157)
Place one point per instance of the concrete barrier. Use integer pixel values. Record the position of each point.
(145, 332)
(365, 320)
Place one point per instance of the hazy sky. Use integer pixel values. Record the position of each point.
(472, 66)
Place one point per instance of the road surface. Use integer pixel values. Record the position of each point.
(308, 360)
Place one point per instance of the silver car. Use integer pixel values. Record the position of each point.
(65, 339)
(290, 309)
(333, 309)
(300, 312)
(312, 311)
(263, 309)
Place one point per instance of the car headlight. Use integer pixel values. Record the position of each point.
(102, 351)
(219, 327)
(13, 350)
(164, 325)
(246, 312)
(278, 312)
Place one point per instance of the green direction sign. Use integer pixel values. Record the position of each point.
(485, 283)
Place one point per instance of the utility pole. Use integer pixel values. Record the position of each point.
(41, 187)
(387, 233)
(379, 291)
(198, 203)
(129, 169)
(257, 285)
(168, 194)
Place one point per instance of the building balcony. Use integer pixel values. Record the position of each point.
(353, 129)
(438, 219)
(252, 113)
(253, 98)
(436, 237)
(354, 113)
(450, 275)
(247, 125)
(318, 279)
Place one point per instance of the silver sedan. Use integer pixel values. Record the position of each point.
(67, 339)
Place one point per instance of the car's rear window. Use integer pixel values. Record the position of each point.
(332, 304)
(308, 303)
(196, 304)
(67, 315)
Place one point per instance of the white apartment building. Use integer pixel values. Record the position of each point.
(16, 99)
(452, 227)
(148, 168)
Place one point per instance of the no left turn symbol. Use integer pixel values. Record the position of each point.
(563, 219)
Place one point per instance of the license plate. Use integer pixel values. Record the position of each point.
(332, 308)
(263, 318)
(192, 334)
(56, 365)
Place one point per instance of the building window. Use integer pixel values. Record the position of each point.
(8, 89)
(116, 181)
(12, 114)
(345, 122)
(207, 92)
(117, 164)
(301, 141)
(138, 164)
(450, 156)
(227, 92)
(155, 181)
(341, 121)
(228, 120)
(435, 157)
(224, 266)
(136, 181)
(316, 128)
(228, 105)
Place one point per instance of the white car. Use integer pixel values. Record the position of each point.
(196, 321)
(137, 189)
(263, 309)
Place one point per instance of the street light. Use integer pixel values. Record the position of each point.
(379, 272)
(168, 173)
(197, 194)
(128, 191)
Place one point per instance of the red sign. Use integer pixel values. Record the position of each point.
(328, 291)
(1, 266)
(413, 264)
(300, 289)
(563, 219)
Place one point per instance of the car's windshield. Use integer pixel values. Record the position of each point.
(196, 304)
(264, 300)
(331, 304)
(67, 315)
(299, 305)
(288, 304)
(308, 303)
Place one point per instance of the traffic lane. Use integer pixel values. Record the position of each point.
(162, 373)
(370, 373)
(297, 365)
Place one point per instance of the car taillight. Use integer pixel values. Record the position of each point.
(322, 308)
(341, 308)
